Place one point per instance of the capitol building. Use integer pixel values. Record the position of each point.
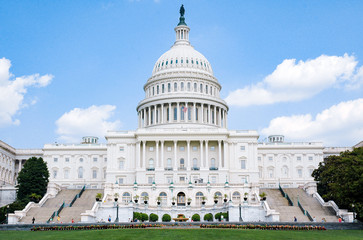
(182, 158)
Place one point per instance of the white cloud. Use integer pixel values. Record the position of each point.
(92, 121)
(341, 123)
(293, 81)
(12, 91)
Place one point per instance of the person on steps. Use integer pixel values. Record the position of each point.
(33, 220)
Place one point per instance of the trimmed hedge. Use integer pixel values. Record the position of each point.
(144, 217)
(208, 217)
(166, 218)
(153, 217)
(196, 218)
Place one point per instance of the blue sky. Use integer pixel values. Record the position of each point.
(93, 58)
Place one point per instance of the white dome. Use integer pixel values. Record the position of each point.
(182, 57)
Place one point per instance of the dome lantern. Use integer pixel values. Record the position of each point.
(182, 30)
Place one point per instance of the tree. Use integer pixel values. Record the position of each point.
(339, 178)
(166, 218)
(33, 179)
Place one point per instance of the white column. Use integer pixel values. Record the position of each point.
(155, 115)
(206, 155)
(157, 154)
(143, 154)
(175, 160)
(144, 111)
(201, 155)
(149, 115)
(162, 113)
(219, 155)
(169, 112)
(225, 155)
(162, 155)
(215, 115)
(202, 115)
(188, 155)
(208, 118)
(220, 117)
(177, 112)
(138, 154)
(194, 111)
(20, 163)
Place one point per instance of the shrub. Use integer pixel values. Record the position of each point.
(166, 218)
(208, 217)
(218, 216)
(144, 217)
(137, 216)
(225, 216)
(153, 217)
(196, 218)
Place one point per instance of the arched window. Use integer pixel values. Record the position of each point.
(195, 87)
(80, 172)
(126, 197)
(169, 87)
(198, 198)
(270, 172)
(163, 197)
(219, 197)
(236, 197)
(144, 196)
(182, 113)
(182, 86)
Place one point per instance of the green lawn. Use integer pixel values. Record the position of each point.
(181, 234)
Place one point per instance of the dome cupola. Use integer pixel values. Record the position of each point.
(182, 90)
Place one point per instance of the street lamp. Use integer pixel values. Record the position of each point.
(116, 202)
(7, 214)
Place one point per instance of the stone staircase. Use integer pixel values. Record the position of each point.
(279, 203)
(85, 202)
(43, 213)
(312, 205)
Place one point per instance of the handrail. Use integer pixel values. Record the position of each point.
(285, 195)
(78, 195)
(60, 208)
(305, 212)
(289, 200)
(51, 217)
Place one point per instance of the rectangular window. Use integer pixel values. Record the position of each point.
(168, 149)
(195, 87)
(196, 114)
(259, 158)
(243, 164)
(122, 165)
(298, 158)
(214, 179)
(182, 148)
(157, 89)
(94, 174)
(151, 149)
(169, 179)
(81, 160)
(182, 86)
(55, 173)
(188, 86)
(201, 88)
(104, 173)
(122, 149)
(67, 159)
(310, 158)
(169, 87)
(150, 180)
(162, 88)
(105, 159)
(95, 159)
(242, 148)
(195, 148)
(66, 174)
(175, 87)
(310, 171)
(212, 148)
(175, 114)
(270, 158)
(55, 159)
(299, 173)
(120, 181)
(182, 179)
(189, 114)
(153, 91)
(167, 114)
